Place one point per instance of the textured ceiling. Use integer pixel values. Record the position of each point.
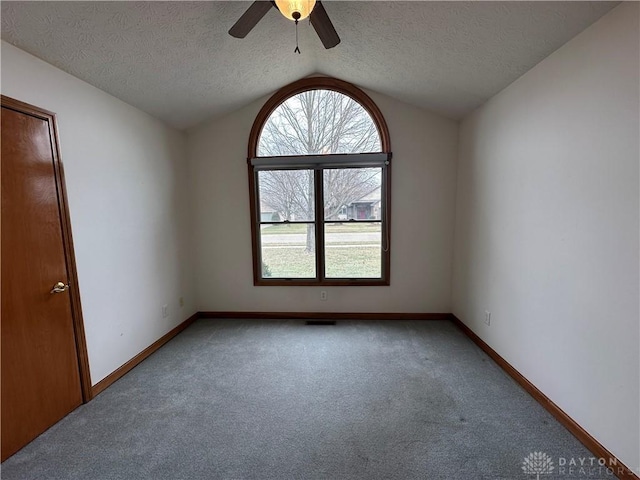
(176, 61)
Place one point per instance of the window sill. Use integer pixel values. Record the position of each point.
(324, 283)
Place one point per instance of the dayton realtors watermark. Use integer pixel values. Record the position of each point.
(540, 464)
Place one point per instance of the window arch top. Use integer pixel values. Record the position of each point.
(318, 116)
(317, 122)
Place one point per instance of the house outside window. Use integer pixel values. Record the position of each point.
(319, 179)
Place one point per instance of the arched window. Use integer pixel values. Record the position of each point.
(319, 178)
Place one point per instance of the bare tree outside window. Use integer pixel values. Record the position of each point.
(317, 122)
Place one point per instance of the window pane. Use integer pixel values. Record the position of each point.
(288, 250)
(353, 250)
(286, 195)
(318, 122)
(353, 194)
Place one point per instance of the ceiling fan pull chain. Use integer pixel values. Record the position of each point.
(297, 50)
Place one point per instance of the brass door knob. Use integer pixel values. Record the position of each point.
(59, 288)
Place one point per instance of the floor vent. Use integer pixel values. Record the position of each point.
(320, 322)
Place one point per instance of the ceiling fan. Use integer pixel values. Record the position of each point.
(293, 10)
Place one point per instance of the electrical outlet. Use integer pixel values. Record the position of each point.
(181, 302)
(487, 317)
(323, 295)
(165, 311)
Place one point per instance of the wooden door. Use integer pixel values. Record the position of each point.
(41, 381)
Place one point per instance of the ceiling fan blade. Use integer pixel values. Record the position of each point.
(250, 18)
(323, 26)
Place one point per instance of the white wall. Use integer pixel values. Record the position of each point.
(423, 189)
(126, 181)
(547, 228)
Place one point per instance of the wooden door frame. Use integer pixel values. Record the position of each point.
(67, 239)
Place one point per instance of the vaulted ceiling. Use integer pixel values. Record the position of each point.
(176, 61)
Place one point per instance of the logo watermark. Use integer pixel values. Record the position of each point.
(540, 464)
(537, 463)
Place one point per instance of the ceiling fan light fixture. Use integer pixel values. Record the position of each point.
(295, 9)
